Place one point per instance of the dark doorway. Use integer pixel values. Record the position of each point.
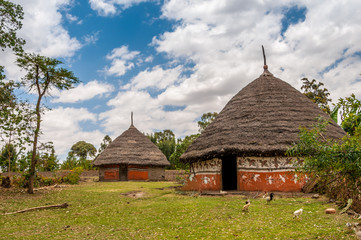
(123, 173)
(229, 173)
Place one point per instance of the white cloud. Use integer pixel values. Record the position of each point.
(82, 92)
(223, 39)
(149, 115)
(71, 18)
(121, 61)
(63, 126)
(156, 78)
(112, 7)
(91, 38)
(43, 31)
(44, 34)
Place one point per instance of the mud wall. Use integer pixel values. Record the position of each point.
(253, 174)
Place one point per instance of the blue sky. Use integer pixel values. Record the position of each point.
(170, 61)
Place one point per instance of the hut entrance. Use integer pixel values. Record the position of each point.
(123, 173)
(229, 173)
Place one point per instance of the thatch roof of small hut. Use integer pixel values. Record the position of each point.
(263, 119)
(132, 148)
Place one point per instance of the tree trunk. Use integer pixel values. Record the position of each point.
(35, 143)
(64, 205)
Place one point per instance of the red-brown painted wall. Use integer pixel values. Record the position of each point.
(270, 181)
(210, 182)
(249, 181)
(137, 173)
(111, 175)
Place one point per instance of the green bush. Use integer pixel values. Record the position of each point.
(337, 164)
(74, 176)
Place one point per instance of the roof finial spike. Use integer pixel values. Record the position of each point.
(264, 59)
(131, 118)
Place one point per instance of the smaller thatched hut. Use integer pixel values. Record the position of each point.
(131, 156)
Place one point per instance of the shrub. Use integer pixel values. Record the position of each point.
(74, 176)
(337, 164)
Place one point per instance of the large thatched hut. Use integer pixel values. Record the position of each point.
(131, 156)
(244, 147)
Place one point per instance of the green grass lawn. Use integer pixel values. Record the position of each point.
(103, 211)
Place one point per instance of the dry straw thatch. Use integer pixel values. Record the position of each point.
(132, 148)
(263, 119)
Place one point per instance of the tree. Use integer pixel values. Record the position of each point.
(70, 163)
(8, 158)
(7, 96)
(23, 161)
(165, 141)
(10, 21)
(181, 147)
(104, 144)
(336, 163)
(48, 161)
(206, 119)
(350, 110)
(15, 119)
(80, 152)
(42, 74)
(313, 91)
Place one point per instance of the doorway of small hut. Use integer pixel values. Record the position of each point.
(229, 172)
(123, 173)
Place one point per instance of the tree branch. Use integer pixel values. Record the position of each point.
(64, 205)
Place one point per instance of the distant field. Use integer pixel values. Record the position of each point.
(154, 210)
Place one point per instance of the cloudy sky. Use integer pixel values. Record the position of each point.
(170, 61)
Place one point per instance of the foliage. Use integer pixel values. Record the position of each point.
(337, 163)
(181, 147)
(40, 181)
(8, 153)
(10, 21)
(313, 91)
(103, 210)
(104, 144)
(48, 161)
(42, 74)
(78, 156)
(83, 150)
(206, 119)
(350, 110)
(7, 96)
(165, 141)
(15, 121)
(70, 163)
(23, 161)
(74, 176)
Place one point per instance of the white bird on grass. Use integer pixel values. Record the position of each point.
(269, 198)
(297, 213)
(246, 207)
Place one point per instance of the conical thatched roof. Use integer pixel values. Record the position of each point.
(132, 148)
(263, 119)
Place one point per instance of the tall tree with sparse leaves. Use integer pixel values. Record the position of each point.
(349, 108)
(316, 93)
(42, 74)
(206, 119)
(11, 15)
(104, 144)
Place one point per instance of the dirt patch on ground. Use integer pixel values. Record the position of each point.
(134, 194)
